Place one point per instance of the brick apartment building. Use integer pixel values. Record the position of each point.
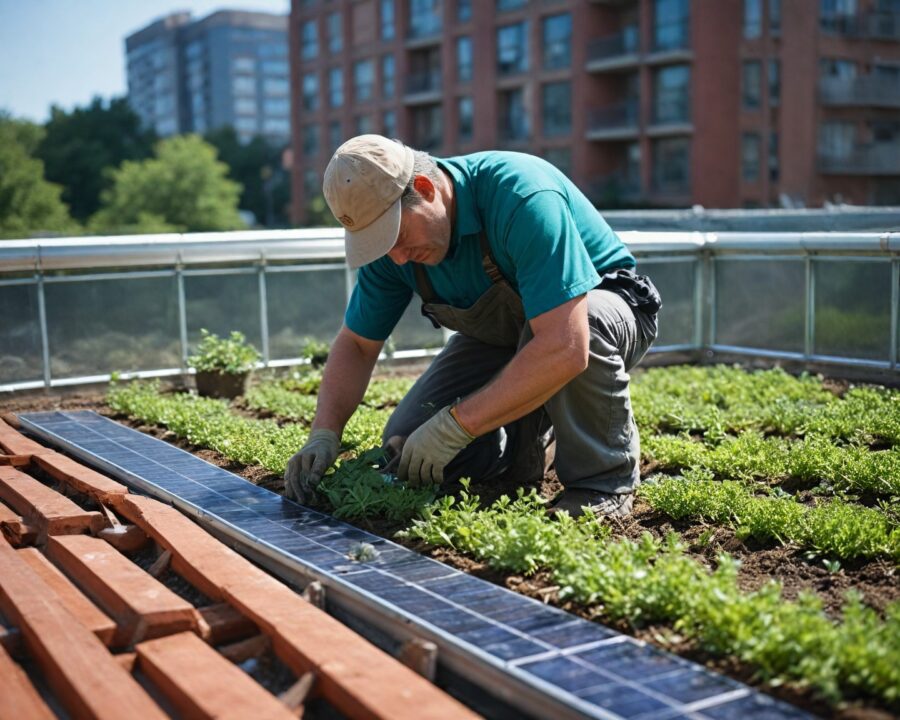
(724, 103)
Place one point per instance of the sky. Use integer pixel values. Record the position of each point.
(64, 52)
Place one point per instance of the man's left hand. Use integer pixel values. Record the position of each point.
(428, 450)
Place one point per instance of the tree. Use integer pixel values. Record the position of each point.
(257, 166)
(318, 214)
(28, 203)
(183, 188)
(80, 145)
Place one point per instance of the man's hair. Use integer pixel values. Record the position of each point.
(423, 164)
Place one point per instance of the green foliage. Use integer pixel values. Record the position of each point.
(650, 581)
(385, 392)
(835, 528)
(276, 398)
(81, 145)
(256, 166)
(356, 490)
(183, 187)
(316, 351)
(28, 203)
(232, 355)
(318, 214)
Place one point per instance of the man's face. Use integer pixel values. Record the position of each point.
(424, 233)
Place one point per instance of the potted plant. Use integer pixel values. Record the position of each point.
(316, 351)
(223, 365)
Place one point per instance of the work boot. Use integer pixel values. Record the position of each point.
(602, 504)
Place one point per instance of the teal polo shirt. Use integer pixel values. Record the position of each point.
(549, 241)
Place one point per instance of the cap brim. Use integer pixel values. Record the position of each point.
(373, 241)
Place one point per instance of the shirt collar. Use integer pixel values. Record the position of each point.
(468, 220)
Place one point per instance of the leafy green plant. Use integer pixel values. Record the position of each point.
(232, 355)
(316, 351)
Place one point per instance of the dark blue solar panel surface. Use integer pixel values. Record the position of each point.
(589, 667)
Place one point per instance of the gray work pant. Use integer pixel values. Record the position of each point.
(597, 443)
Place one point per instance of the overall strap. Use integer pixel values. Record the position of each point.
(423, 284)
(487, 260)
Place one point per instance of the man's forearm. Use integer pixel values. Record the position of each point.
(344, 382)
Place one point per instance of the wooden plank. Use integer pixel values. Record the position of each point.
(225, 624)
(124, 538)
(15, 460)
(85, 678)
(141, 605)
(18, 697)
(43, 507)
(70, 596)
(15, 443)
(353, 675)
(200, 683)
(81, 478)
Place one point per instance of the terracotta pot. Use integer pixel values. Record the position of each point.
(221, 385)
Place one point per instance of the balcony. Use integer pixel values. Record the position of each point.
(877, 158)
(615, 190)
(423, 88)
(671, 43)
(869, 26)
(614, 52)
(615, 122)
(672, 117)
(862, 91)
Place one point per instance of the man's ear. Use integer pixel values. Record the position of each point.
(424, 187)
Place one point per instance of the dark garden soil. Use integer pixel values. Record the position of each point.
(876, 580)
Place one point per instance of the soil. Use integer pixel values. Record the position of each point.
(876, 580)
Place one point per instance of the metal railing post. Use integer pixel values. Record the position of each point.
(263, 310)
(45, 338)
(182, 315)
(895, 311)
(809, 318)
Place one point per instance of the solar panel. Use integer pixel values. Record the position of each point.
(590, 670)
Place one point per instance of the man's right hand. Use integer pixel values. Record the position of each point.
(306, 468)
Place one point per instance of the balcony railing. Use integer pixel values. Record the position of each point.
(672, 38)
(672, 112)
(614, 48)
(865, 90)
(614, 120)
(422, 28)
(424, 83)
(872, 26)
(877, 158)
(615, 189)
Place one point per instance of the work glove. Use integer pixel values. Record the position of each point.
(430, 447)
(306, 468)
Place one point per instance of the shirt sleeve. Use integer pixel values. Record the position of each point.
(377, 302)
(551, 263)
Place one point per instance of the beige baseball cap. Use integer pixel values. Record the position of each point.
(363, 183)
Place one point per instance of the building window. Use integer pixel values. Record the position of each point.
(424, 71)
(335, 87)
(428, 127)
(363, 80)
(363, 124)
(557, 41)
(245, 125)
(774, 167)
(275, 67)
(389, 123)
(388, 75)
(513, 116)
(243, 85)
(671, 25)
(463, 10)
(311, 184)
(561, 158)
(310, 92)
(671, 94)
(335, 33)
(752, 19)
(750, 157)
(424, 18)
(243, 65)
(774, 83)
(465, 118)
(837, 139)
(334, 134)
(837, 16)
(671, 166)
(775, 17)
(244, 106)
(388, 24)
(751, 90)
(276, 86)
(309, 40)
(836, 68)
(504, 5)
(556, 109)
(464, 59)
(311, 140)
(512, 49)
(276, 106)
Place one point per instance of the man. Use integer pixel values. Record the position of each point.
(504, 249)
